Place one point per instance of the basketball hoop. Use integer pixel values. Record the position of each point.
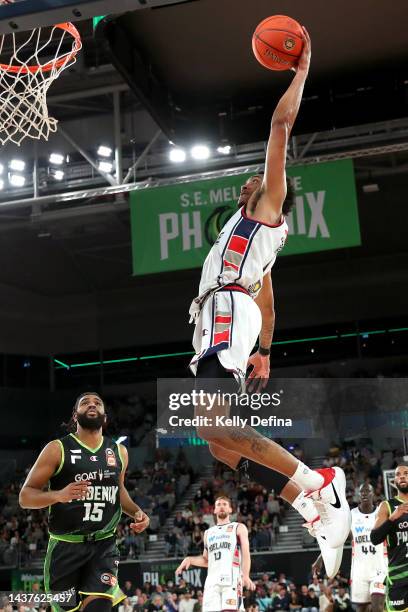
(26, 77)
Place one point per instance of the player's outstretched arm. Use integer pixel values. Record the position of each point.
(129, 507)
(242, 533)
(259, 376)
(274, 183)
(198, 561)
(32, 494)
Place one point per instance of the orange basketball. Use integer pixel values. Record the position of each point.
(278, 42)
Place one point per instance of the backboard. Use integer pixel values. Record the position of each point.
(23, 15)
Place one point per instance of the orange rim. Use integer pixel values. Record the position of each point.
(57, 63)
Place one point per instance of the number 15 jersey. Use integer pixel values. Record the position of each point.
(100, 511)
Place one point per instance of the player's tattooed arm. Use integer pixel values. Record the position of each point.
(242, 533)
(141, 520)
(32, 494)
(198, 561)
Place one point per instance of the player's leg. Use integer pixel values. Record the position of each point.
(94, 603)
(360, 590)
(377, 602)
(289, 492)
(264, 452)
(247, 441)
(62, 570)
(99, 580)
(377, 592)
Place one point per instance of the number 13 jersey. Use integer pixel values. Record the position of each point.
(100, 511)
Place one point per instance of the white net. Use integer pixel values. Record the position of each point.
(26, 73)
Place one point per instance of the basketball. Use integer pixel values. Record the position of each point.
(278, 42)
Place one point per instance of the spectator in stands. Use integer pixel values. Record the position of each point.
(171, 602)
(155, 604)
(294, 604)
(198, 606)
(308, 599)
(186, 602)
(342, 601)
(282, 600)
(326, 600)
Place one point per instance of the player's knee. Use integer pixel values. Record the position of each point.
(97, 604)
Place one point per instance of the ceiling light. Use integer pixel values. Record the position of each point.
(58, 175)
(200, 152)
(1, 168)
(104, 151)
(17, 164)
(224, 150)
(1, 184)
(177, 155)
(371, 188)
(56, 158)
(105, 166)
(17, 180)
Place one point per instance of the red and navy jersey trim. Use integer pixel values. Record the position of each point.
(238, 245)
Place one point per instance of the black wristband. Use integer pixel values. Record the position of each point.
(378, 535)
(264, 351)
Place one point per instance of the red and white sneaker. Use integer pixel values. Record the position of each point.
(331, 505)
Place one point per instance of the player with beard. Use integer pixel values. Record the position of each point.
(227, 557)
(84, 475)
(392, 524)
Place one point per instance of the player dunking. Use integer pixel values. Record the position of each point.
(85, 472)
(235, 305)
(368, 562)
(227, 557)
(392, 524)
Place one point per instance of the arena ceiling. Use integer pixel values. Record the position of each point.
(193, 64)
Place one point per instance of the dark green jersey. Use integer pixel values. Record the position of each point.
(397, 545)
(100, 512)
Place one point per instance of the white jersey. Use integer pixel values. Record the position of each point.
(224, 555)
(367, 559)
(243, 253)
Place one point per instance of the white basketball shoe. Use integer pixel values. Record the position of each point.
(332, 557)
(332, 507)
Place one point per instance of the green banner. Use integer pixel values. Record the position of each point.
(174, 227)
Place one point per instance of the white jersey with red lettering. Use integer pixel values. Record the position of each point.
(227, 319)
(368, 563)
(223, 585)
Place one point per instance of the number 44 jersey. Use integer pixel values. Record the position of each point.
(100, 511)
(367, 559)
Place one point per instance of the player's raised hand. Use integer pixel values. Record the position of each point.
(398, 512)
(304, 60)
(259, 376)
(73, 491)
(141, 523)
(247, 583)
(184, 565)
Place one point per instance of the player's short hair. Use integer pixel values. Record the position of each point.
(84, 394)
(228, 499)
(71, 425)
(289, 201)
